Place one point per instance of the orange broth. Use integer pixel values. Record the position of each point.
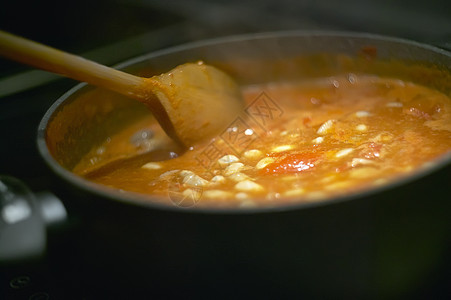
(294, 142)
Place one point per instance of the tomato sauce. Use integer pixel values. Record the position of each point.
(295, 142)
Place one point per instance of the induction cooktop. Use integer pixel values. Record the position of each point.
(112, 31)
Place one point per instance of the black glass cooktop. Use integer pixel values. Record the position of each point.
(112, 31)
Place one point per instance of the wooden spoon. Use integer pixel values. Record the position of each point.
(192, 102)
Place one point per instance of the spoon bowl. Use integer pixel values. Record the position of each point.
(199, 100)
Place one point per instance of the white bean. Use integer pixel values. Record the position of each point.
(185, 173)
(318, 140)
(217, 194)
(253, 154)
(152, 166)
(237, 177)
(282, 148)
(189, 178)
(227, 160)
(248, 186)
(362, 114)
(383, 137)
(241, 196)
(326, 127)
(233, 168)
(168, 173)
(361, 161)
(343, 152)
(264, 162)
(189, 193)
(295, 192)
(361, 127)
(218, 179)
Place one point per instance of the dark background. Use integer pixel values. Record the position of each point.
(83, 26)
(112, 31)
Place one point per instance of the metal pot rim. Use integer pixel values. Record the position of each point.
(146, 201)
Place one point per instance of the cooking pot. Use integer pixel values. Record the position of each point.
(389, 241)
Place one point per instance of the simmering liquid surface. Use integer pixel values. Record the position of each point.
(294, 142)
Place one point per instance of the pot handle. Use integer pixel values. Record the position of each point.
(24, 217)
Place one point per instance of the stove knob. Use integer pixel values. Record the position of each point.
(22, 227)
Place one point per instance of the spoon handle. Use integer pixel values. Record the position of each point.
(69, 65)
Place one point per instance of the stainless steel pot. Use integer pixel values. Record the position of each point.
(384, 242)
